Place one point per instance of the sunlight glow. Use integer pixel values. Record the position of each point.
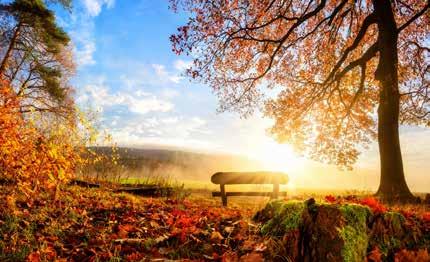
(279, 157)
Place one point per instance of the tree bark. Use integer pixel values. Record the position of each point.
(392, 182)
(9, 49)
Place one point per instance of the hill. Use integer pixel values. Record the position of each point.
(172, 164)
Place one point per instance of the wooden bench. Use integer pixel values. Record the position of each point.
(234, 178)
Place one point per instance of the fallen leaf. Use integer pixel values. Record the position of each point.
(229, 230)
(260, 247)
(248, 245)
(154, 224)
(229, 256)
(216, 237)
(34, 257)
(252, 257)
(375, 255)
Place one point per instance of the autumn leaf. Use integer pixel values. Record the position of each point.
(260, 247)
(230, 256)
(252, 257)
(330, 198)
(374, 204)
(412, 256)
(34, 257)
(426, 216)
(375, 255)
(216, 237)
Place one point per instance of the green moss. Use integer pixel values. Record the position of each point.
(354, 233)
(10, 225)
(396, 220)
(18, 255)
(287, 216)
(8, 230)
(149, 243)
(389, 242)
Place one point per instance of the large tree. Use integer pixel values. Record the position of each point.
(345, 72)
(36, 57)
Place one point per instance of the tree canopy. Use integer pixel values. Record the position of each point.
(324, 55)
(37, 58)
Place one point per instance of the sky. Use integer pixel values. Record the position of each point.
(127, 72)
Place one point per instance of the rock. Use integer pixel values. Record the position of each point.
(354, 233)
(327, 235)
(392, 231)
(310, 231)
(280, 217)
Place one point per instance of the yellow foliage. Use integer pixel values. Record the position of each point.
(32, 159)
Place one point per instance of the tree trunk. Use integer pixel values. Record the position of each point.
(392, 184)
(9, 49)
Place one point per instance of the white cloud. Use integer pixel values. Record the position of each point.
(182, 65)
(178, 131)
(80, 26)
(163, 74)
(94, 7)
(147, 104)
(81, 30)
(84, 54)
(169, 93)
(140, 102)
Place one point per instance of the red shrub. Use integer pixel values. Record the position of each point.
(373, 204)
(330, 198)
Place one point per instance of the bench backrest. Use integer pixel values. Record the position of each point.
(249, 178)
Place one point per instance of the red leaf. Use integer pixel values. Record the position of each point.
(34, 257)
(426, 216)
(375, 255)
(252, 257)
(374, 204)
(330, 198)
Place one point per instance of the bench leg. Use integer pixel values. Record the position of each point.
(275, 191)
(223, 195)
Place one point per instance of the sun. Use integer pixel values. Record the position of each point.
(278, 157)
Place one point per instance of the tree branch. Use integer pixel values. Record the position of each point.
(367, 22)
(413, 18)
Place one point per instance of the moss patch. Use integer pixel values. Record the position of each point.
(285, 217)
(354, 233)
(389, 235)
(313, 231)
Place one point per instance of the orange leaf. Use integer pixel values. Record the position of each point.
(34, 257)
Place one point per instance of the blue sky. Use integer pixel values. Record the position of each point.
(127, 71)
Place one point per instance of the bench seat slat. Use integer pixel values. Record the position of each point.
(262, 177)
(218, 194)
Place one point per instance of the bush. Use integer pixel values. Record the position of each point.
(29, 158)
